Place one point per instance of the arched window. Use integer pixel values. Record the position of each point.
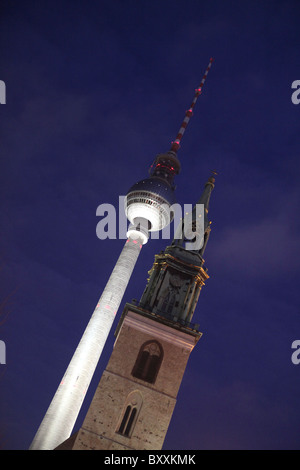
(130, 413)
(148, 362)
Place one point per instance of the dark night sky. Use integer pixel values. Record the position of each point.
(95, 89)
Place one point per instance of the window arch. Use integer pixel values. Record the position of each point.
(148, 362)
(130, 413)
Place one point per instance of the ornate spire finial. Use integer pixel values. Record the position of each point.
(211, 180)
(182, 230)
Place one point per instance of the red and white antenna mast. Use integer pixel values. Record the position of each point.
(188, 114)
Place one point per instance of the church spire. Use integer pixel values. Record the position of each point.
(178, 273)
(205, 196)
(192, 225)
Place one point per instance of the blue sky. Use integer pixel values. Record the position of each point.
(94, 91)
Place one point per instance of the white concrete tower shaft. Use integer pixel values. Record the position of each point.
(62, 413)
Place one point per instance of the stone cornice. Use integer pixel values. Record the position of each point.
(155, 328)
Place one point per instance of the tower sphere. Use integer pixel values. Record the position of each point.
(150, 199)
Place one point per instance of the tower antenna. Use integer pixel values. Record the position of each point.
(188, 114)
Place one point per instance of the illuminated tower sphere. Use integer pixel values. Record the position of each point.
(152, 198)
(147, 207)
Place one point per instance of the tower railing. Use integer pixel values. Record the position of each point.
(168, 316)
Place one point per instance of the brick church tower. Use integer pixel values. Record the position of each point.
(134, 401)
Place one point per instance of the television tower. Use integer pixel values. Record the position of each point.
(147, 207)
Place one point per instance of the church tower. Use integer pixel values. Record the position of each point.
(134, 401)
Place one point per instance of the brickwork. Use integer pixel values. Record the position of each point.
(158, 399)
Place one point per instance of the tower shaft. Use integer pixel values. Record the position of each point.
(62, 413)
